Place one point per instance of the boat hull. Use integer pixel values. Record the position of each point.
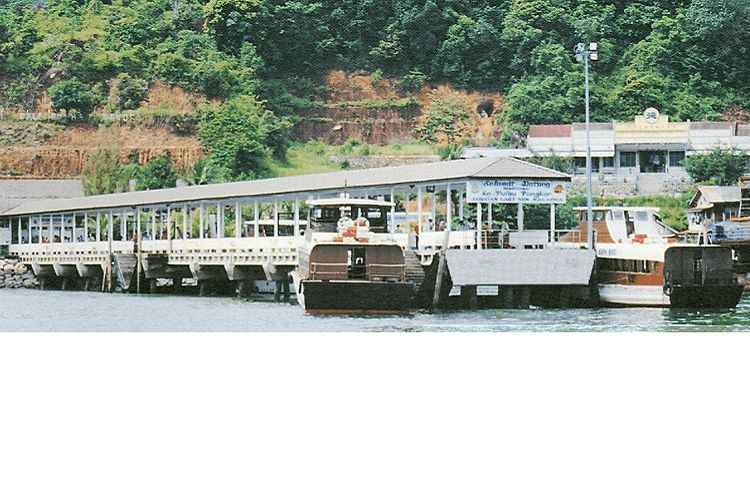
(706, 297)
(683, 297)
(353, 296)
(633, 295)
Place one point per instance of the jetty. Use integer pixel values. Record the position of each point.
(244, 236)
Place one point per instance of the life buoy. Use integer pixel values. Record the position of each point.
(363, 222)
(344, 223)
(668, 289)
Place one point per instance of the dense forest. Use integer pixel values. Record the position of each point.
(258, 62)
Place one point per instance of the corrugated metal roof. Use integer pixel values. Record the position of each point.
(595, 126)
(712, 126)
(316, 185)
(15, 192)
(720, 194)
(549, 130)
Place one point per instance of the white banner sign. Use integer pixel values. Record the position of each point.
(515, 191)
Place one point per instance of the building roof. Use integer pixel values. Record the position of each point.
(594, 126)
(550, 130)
(15, 192)
(373, 181)
(716, 194)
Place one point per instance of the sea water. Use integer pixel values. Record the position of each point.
(50, 310)
(116, 396)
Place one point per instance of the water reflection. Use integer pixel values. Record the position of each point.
(36, 310)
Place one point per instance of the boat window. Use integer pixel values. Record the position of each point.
(618, 215)
(641, 216)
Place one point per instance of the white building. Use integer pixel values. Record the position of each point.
(644, 155)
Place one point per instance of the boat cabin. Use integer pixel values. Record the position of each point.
(625, 224)
(266, 227)
(325, 215)
(353, 262)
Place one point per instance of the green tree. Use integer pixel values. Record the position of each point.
(528, 24)
(130, 91)
(719, 29)
(233, 22)
(206, 171)
(236, 134)
(445, 119)
(720, 167)
(99, 175)
(71, 95)
(469, 54)
(157, 174)
(554, 93)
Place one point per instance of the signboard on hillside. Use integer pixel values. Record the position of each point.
(515, 191)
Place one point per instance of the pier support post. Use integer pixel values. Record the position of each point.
(564, 297)
(469, 296)
(281, 278)
(441, 268)
(525, 298)
(508, 297)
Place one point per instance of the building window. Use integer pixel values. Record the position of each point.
(627, 159)
(608, 163)
(580, 164)
(675, 158)
(653, 161)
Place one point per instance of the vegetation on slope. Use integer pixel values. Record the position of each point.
(259, 62)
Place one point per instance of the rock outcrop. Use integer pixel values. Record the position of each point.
(13, 274)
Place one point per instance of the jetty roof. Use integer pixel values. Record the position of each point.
(379, 180)
(15, 192)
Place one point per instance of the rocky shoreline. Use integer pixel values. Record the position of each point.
(14, 274)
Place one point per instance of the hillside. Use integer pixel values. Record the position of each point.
(354, 109)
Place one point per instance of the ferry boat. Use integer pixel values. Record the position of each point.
(348, 262)
(640, 261)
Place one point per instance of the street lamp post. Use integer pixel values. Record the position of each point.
(585, 53)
